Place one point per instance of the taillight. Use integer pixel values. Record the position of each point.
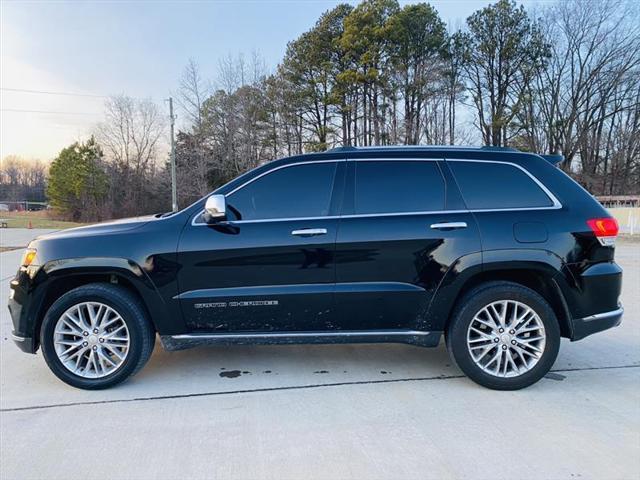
(606, 229)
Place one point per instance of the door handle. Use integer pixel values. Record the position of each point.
(309, 232)
(448, 225)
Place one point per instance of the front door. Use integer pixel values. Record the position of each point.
(270, 267)
(400, 232)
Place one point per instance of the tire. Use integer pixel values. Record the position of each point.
(522, 369)
(116, 306)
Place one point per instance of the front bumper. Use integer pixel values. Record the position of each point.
(25, 344)
(23, 302)
(19, 333)
(583, 327)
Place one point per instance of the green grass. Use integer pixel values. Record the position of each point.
(37, 219)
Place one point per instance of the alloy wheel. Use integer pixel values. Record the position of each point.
(506, 338)
(91, 340)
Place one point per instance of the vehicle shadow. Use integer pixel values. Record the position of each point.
(305, 364)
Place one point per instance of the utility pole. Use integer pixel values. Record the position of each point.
(174, 195)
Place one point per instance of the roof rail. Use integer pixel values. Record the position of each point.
(346, 148)
(499, 149)
(554, 159)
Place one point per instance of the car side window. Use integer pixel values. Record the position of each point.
(398, 186)
(487, 185)
(291, 192)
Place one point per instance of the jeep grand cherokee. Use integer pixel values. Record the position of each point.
(498, 250)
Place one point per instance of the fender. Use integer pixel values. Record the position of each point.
(458, 274)
(162, 314)
(544, 262)
(472, 269)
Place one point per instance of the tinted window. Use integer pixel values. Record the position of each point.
(290, 192)
(497, 185)
(398, 186)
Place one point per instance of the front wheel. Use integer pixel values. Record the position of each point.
(96, 336)
(504, 336)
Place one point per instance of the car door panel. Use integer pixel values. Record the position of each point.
(388, 270)
(265, 274)
(258, 276)
(389, 265)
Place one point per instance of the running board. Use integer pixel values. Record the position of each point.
(412, 337)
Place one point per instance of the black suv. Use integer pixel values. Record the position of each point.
(497, 249)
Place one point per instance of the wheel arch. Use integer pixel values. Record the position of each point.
(63, 276)
(540, 271)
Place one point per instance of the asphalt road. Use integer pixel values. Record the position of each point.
(367, 411)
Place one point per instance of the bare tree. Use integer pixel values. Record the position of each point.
(194, 159)
(583, 102)
(232, 72)
(130, 137)
(192, 93)
(501, 52)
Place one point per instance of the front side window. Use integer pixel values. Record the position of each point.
(291, 192)
(398, 186)
(487, 185)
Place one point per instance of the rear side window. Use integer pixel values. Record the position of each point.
(291, 192)
(398, 186)
(487, 185)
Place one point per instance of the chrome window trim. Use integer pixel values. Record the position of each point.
(263, 174)
(556, 203)
(280, 167)
(195, 223)
(368, 215)
(402, 214)
(264, 220)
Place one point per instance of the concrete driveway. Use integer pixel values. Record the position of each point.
(367, 411)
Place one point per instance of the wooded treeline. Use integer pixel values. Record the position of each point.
(22, 180)
(120, 171)
(565, 79)
(562, 79)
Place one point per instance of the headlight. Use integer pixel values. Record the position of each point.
(28, 257)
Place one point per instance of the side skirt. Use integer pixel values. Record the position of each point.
(412, 337)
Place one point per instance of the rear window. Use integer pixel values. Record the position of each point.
(398, 186)
(486, 185)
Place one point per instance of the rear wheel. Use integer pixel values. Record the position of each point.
(96, 336)
(504, 336)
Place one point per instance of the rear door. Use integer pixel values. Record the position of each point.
(400, 231)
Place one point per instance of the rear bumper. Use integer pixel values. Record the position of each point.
(583, 327)
(594, 298)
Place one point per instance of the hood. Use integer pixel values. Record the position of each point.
(104, 228)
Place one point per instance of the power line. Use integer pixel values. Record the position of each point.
(44, 92)
(17, 110)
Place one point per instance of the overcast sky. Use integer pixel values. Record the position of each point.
(138, 48)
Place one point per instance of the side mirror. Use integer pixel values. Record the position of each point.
(215, 209)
